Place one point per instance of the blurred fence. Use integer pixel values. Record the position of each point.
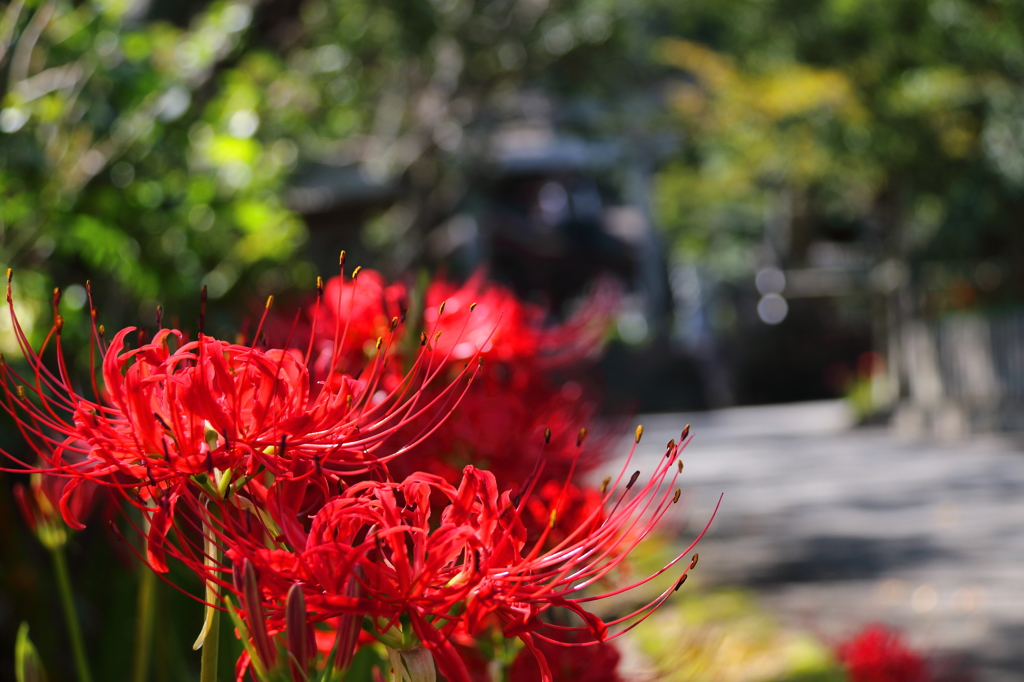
(966, 372)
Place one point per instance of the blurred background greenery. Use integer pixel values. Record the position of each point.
(805, 198)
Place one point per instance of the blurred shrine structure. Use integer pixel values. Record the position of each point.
(827, 312)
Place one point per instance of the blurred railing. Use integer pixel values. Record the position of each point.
(968, 368)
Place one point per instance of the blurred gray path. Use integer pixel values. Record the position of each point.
(838, 526)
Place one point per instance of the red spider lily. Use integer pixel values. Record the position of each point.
(454, 574)
(177, 413)
(522, 335)
(566, 665)
(878, 654)
(349, 317)
(513, 400)
(42, 499)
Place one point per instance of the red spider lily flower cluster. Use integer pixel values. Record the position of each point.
(513, 401)
(377, 550)
(356, 484)
(178, 418)
(878, 654)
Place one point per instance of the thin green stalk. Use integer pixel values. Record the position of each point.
(209, 636)
(60, 565)
(211, 647)
(145, 613)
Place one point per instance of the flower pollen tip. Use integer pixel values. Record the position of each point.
(102, 330)
(639, 432)
(355, 273)
(604, 485)
(632, 479)
(21, 392)
(547, 436)
(554, 517)
(378, 343)
(394, 323)
(270, 301)
(693, 561)
(440, 310)
(341, 258)
(686, 432)
(680, 583)
(319, 286)
(10, 274)
(56, 296)
(59, 323)
(423, 339)
(675, 498)
(680, 465)
(580, 437)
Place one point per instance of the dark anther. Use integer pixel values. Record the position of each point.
(675, 498)
(680, 583)
(580, 437)
(693, 561)
(686, 432)
(632, 479)
(202, 311)
(547, 436)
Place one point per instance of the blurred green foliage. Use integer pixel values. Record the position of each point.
(723, 636)
(895, 125)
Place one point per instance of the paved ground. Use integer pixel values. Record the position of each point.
(838, 526)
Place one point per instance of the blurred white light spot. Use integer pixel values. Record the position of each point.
(892, 592)
(220, 280)
(201, 217)
(236, 174)
(105, 43)
(559, 40)
(772, 309)
(553, 200)
(770, 281)
(924, 599)
(243, 123)
(74, 297)
(122, 174)
(448, 135)
(969, 599)
(26, 314)
(329, 58)
(12, 119)
(632, 326)
(93, 161)
(173, 103)
(236, 17)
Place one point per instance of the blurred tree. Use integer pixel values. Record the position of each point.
(896, 124)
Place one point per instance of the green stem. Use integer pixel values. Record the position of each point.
(211, 647)
(60, 565)
(145, 610)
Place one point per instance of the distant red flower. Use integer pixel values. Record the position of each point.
(350, 316)
(878, 654)
(42, 500)
(505, 329)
